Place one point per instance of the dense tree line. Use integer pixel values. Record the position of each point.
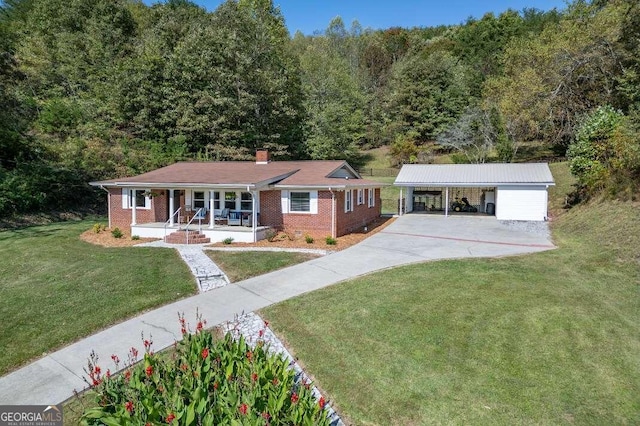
(93, 89)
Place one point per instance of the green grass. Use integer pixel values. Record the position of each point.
(549, 338)
(56, 288)
(246, 264)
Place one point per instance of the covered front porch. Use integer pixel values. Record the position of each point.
(194, 215)
(219, 233)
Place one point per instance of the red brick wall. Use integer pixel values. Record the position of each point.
(122, 217)
(317, 225)
(361, 215)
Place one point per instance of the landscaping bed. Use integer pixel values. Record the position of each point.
(286, 240)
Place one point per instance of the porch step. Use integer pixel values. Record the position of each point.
(180, 237)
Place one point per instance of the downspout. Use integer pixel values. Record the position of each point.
(108, 204)
(333, 213)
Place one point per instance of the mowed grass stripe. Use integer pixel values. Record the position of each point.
(55, 288)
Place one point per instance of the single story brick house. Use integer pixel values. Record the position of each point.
(243, 200)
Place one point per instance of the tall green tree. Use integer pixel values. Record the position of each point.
(428, 91)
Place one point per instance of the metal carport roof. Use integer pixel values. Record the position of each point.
(468, 175)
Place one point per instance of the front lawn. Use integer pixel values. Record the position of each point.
(55, 288)
(240, 265)
(550, 338)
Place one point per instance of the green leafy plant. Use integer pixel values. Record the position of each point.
(309, 239)
(116, 232)
(271, 235)
(206, 380)
(98, 227)
(135, 237)
(227, 240)
(331, 241)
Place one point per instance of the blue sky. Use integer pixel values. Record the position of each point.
(311, 15)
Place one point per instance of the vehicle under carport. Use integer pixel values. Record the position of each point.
(510, 191)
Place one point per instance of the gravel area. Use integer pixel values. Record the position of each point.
(250, 326)
(530, 226)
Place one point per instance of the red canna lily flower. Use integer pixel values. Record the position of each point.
(184, 367)
(249, 355)
(254, 377)
(205, 353)
(260, 333)
(275, 381)
(115, 358)
(243, 408)
(266, 415)
(321, 402)
(129, 406)
(294, 397)
(199, 326)
(215, 385)
(127, 375)
(149, 370)
(170, 417)
(266, 323)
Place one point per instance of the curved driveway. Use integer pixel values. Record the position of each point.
(410, 239)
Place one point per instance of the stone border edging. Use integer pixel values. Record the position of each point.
(249, 325)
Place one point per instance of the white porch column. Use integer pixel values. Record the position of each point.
(400, 203)
(254, 215)
(172, 208)
(446, 201)
(211, 221)
(132, 199)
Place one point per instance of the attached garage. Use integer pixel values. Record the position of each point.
(511, 191)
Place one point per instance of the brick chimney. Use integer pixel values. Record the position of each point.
(262, 156)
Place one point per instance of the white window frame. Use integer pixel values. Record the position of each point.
(371, 192)
(348, 200)
(128, 195)
(285, 197)
(360, 196)
(204, 199)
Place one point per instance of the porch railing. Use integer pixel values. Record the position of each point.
(199, 216)
(177, 212)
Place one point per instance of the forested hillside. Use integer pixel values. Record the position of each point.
(95, 89)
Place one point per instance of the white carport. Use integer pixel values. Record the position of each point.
(513, 191)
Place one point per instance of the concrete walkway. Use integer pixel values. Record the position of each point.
(412, 238)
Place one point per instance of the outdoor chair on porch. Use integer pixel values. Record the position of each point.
(235, 218)
(223, 216)
(201, 214)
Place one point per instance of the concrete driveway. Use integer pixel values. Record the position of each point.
(410, 239)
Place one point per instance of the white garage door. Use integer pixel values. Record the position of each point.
(521, 203)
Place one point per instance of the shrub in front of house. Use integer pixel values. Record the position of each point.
(204, 380)
(331, 241)
(135, 237)
(227, 241)
(271, 234)
(116, 233)
(98, 227)
(309, 239)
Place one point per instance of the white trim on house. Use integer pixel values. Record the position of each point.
(128, 195)
(348, 200)
(371, 196)
(360, 196)
(285, 200)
